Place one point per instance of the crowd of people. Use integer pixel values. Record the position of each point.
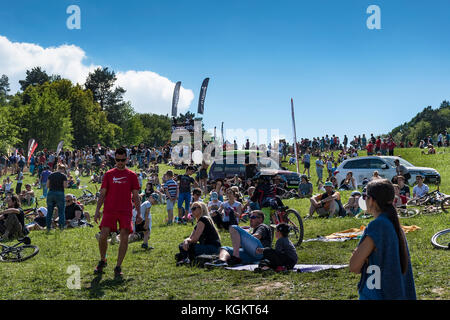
(127, 201)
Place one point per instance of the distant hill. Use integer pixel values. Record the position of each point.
(429, 122)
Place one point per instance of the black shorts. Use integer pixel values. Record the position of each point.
(307, 165)
(140, 228)
(41, 221)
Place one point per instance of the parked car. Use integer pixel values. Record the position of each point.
(363, 167)
(228, 169)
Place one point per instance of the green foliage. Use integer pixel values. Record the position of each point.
(8, 130)
(46, 118)
(35, 76)
(428, 122)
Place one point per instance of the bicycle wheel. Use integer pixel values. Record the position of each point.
(19, 254)
(441, 240)
(293, 219)
(408, 212)
(445, 204)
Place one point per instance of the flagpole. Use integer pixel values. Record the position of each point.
(295, 133)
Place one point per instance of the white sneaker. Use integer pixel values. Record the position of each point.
(113, 238)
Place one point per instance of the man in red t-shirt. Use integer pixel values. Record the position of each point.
(369, 148)
(119, 187)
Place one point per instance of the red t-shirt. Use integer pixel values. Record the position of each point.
(119, 185)
(369, 147)
(378, 143)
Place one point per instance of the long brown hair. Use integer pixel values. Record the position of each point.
(382, 191)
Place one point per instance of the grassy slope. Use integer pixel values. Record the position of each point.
(153, 275)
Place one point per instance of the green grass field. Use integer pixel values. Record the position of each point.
(153, 274)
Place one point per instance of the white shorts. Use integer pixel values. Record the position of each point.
(170, 204)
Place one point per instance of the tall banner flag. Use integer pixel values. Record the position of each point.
(176, 96)
(32, 145)
(295, 133)
(30, 142)
(201, 99)
(223, 138)
(59, 148)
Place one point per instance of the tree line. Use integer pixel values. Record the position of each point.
(429, 122)
(49, 109)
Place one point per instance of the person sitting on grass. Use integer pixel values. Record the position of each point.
(305, 188)
(204, 239)
(27, 196)
(244, 243)
(143, 222)
(349, 183)
(284, 256)
(12, 220)
(214, 203)
(229, 212)
(325, 204)
(352, 206)
(39, 222)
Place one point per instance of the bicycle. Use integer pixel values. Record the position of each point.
(441, 239)
(431, 203)
(88, 197)
(292, 218)
(21, 251)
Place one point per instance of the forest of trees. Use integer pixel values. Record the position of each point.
(49, 109)
(429, 122)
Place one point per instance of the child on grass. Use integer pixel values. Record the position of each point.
(284, 256)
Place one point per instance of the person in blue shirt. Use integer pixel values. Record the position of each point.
(382, 256)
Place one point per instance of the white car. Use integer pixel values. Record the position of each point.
(363, 167)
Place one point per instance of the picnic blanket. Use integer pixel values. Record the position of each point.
(353, 233)
(297, 267)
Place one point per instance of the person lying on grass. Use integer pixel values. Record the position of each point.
(284, 256)
(204, 239)
(245, 243)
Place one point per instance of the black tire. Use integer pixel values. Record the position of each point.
(19, 254)
(445, 204)
(408, 212)
(294, 220)
(441, 240)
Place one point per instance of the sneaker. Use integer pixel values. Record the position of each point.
(185, 261)
(216, 264)
(113, 238)
(146, 246)
(100, 266)
(233, 261)
(118, 272)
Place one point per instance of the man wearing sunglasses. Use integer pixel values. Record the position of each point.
(120, 185)
(245, 243)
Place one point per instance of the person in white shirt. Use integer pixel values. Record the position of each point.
(420, 189)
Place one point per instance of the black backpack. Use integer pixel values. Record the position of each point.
(200, 260)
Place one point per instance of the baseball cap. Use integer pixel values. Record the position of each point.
(328, 184)
(214, 196)
(155, 196)
(43, 210)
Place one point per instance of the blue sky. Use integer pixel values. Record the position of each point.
(343, 77)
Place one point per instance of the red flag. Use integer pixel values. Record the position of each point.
(33, 148)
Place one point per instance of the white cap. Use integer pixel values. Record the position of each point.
(43, 210)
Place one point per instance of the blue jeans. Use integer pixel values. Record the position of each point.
(56, 199)
(186, 198)
(249, 244)
(45, 190)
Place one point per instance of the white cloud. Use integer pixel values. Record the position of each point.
(147, 91)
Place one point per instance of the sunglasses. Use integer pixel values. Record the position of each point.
(195, 208)
(121, 160)
(254, 217)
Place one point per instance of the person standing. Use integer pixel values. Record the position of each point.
(56, 183)
(382, 256)
(307, 162)
(119, 186)
(319, 169)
